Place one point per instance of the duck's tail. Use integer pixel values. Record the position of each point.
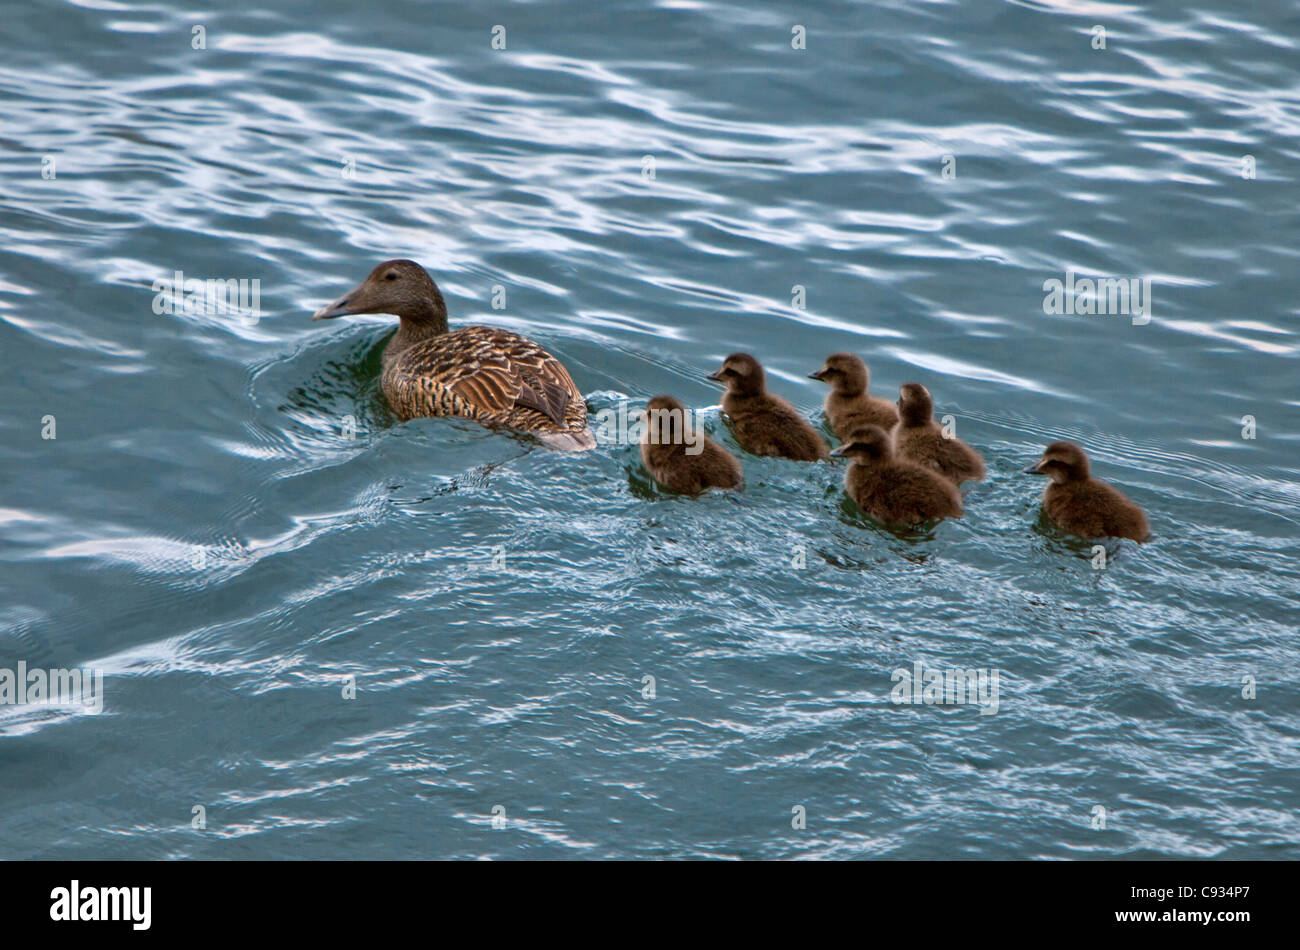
(575, 440)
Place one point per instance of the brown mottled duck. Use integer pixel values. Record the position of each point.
(487, 374)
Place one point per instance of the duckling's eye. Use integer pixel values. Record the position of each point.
(391, 275)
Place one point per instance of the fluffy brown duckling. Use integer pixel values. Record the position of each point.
(764, 424)
(1081, 505)
(679, 455)
(918, 438)
(848, 407)
(892, 490)
(486, 374)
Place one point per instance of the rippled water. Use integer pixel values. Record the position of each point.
(649, 187)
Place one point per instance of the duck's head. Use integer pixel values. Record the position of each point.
(845, 373)
(870, 444)
(740, 373)
(399, 287)
(1061, 462)
(915, 407)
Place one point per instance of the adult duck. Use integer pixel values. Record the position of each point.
(487, 374)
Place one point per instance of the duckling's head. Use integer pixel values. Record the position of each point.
(399, 287)
(915, 407)
(666, 422)
(870, 443)
(740, 373)
(1061, 462)
(845, 373)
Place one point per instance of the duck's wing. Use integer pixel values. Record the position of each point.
(547, 396)
(497, 373)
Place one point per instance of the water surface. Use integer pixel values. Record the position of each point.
(230, 524)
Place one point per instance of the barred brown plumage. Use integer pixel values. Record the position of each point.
(487, 374)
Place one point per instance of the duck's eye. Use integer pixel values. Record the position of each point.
(391, 275)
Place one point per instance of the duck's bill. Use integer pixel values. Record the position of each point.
(338, 308)
(838, 451)
(716, 377)
(820, 374)
(1032, 469)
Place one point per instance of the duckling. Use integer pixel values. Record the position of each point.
(848, 407)
(492, 376)
(764, 424)
(681, 457)
(1080, 504)
(918, 438)
(892, 490)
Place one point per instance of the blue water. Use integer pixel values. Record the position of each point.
(228, 522)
